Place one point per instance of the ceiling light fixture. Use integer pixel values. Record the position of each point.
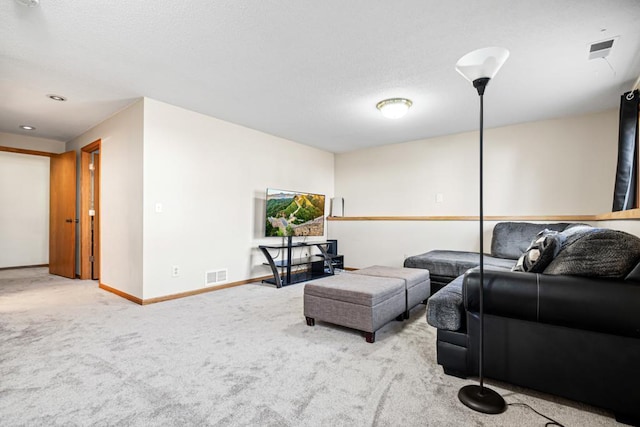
(29, 3)
(394, 108)
(27, 127)
(57, 98)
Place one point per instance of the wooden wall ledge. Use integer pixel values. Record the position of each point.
(629, 214)
(23, 151)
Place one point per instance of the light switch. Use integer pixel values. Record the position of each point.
(158, 207)
(439, 198)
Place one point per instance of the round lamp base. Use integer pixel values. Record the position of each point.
(482, 399)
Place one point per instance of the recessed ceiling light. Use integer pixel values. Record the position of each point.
(57, 97)
(27, 127)
(29, 3)
(394, 108)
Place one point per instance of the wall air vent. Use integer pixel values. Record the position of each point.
(601, 49)
(215, 277)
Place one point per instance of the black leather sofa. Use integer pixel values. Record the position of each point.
(576, 337)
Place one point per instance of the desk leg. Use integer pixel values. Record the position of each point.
(327, 257)
(274, 269)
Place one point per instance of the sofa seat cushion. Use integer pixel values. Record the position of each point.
(454, 263)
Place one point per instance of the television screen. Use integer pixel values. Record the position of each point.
(291, 213)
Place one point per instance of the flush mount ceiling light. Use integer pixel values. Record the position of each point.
(29, 3)
(57, 98)
(27, 127)
(394, 108)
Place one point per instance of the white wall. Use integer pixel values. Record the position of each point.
(629, 225)
(120, 197)
(365, 243)
(554, 167)
(210, 177)
(563, 166)
(24, 210)
(24, 196)
(31, 143)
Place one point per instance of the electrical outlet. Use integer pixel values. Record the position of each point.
(175, 271)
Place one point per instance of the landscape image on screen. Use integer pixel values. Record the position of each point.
(291, 213)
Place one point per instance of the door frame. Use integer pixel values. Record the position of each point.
(85, 196)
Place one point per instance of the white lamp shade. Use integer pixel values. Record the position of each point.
(482, 63)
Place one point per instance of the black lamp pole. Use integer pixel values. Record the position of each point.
(478, 397)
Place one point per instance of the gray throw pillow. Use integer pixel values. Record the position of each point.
(540, 252)
(597, 252)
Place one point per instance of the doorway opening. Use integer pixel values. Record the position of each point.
(90, 211)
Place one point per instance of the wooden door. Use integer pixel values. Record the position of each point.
(95, 249)
(62, 215)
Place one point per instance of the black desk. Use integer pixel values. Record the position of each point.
(285, 276)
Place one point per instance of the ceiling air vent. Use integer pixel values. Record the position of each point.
(215, 277)
(601, 49)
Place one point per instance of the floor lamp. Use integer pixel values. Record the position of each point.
(479, 67)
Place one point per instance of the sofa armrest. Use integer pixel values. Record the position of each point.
(445, 309)
(596, 304)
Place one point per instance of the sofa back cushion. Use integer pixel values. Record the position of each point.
(511, 239)
(596, 252)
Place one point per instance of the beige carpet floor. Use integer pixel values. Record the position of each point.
(72, 354)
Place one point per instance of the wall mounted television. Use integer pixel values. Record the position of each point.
(293, 213)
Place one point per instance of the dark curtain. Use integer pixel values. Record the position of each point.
(624, 194)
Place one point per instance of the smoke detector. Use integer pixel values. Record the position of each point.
(601, 49)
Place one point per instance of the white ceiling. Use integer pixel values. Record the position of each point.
(308, 70)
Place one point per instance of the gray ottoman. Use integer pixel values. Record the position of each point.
(417, 282)
(356, 301)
